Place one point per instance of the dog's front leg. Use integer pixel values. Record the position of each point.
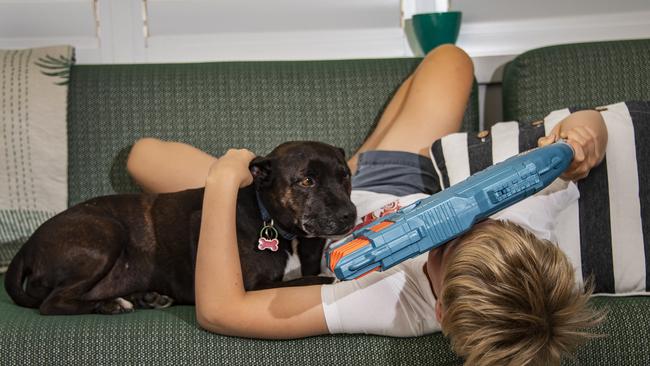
(310, 251)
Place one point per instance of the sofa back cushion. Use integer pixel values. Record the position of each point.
(583, 75)
(215, 106)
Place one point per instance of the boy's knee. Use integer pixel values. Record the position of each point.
(448, 48)
(452, 53)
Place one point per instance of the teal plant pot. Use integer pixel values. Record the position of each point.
(434, 29)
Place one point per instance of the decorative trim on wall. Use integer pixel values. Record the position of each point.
(311, 45)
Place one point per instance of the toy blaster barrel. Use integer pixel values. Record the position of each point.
(439, 218)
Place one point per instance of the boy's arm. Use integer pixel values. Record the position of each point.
(587, 134)
(222, 304)
(160, 166)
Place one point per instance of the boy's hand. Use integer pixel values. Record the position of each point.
(233, 167)
(585, 131)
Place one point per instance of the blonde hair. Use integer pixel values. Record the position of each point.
(509, 298)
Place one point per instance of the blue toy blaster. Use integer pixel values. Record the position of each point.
(435, 220)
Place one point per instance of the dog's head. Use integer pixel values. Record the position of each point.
(305, 186)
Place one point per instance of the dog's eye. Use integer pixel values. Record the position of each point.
(307, 182)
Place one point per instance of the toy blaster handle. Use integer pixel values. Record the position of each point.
(439, 218)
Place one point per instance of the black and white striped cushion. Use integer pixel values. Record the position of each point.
(603, 233)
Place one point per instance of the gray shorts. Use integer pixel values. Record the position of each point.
(395, 172)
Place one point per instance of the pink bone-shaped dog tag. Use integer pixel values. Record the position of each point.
(272, 244)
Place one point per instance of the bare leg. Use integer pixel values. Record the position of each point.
(429, 104)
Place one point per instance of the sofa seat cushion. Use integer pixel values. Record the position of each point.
(171, 337)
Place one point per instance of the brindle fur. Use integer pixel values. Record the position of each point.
(142, 247)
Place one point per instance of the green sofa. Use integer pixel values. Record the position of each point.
(256, 105)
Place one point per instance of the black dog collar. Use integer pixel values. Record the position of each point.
(266, 218)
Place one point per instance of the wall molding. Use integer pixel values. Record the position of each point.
(305, 45)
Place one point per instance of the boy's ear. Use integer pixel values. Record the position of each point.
(438, 311)
(261, 169)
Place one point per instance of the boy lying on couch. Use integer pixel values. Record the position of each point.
(502, 293)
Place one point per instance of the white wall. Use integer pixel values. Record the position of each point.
(500, 10)
(134, 31)
(527, 24)
(201, 30)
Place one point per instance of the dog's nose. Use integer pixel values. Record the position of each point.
(347, 219)
(348, 216)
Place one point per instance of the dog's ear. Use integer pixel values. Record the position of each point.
(261, 168)
(342, 151)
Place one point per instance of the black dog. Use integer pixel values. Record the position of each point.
(113, 253)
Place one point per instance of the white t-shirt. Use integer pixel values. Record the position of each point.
(398, 302)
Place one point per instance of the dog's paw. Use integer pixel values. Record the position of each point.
(115, 306)
(151, 300)
(157, 301)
